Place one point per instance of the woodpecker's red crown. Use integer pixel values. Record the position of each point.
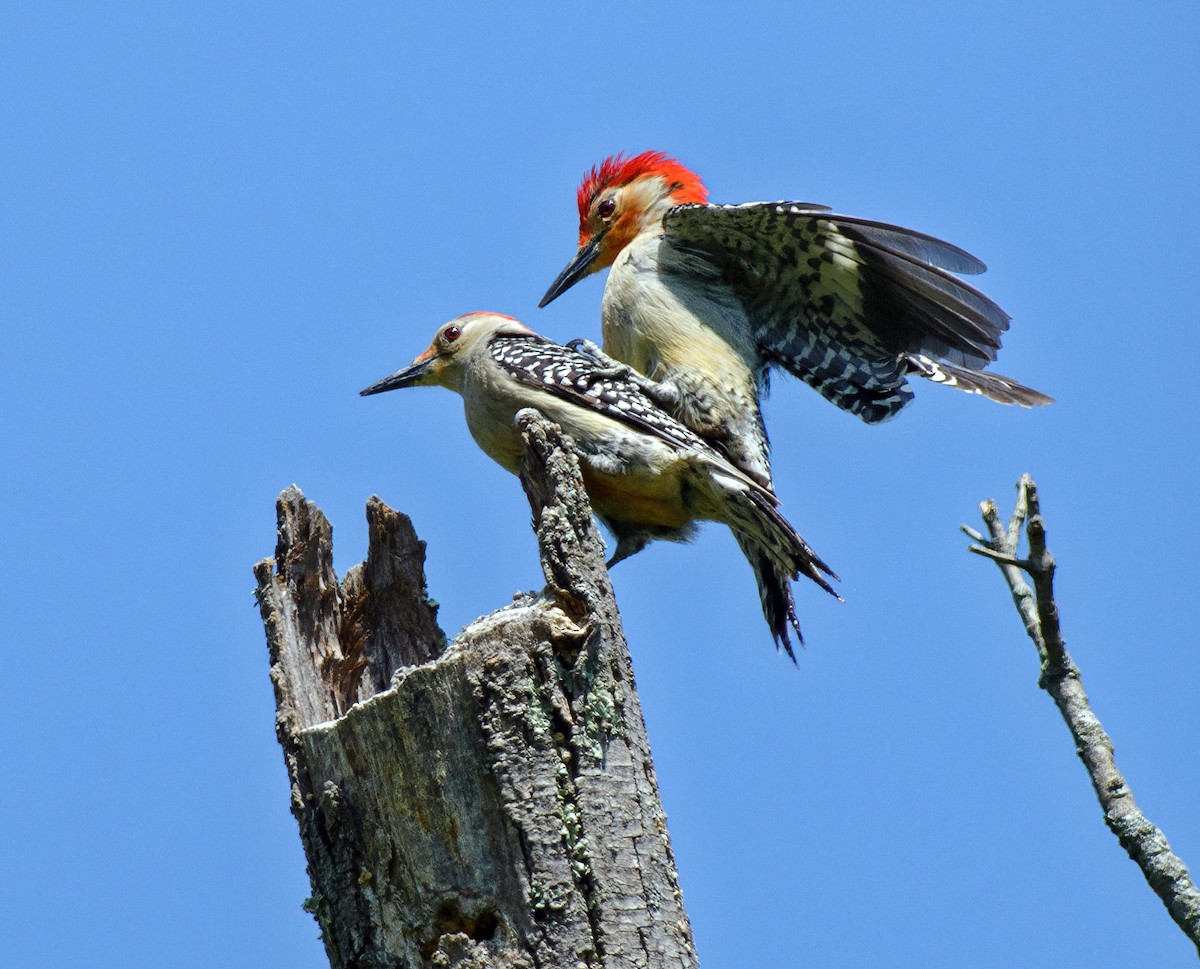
(619, 199)
(685, 185)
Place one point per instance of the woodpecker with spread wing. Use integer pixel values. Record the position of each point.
(647, 475)
(704, 300)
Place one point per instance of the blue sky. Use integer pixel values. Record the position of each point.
(220, 221)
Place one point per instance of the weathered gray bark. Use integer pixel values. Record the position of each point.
(488, 802)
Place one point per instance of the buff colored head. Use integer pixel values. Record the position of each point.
(441, 363)
(619, 199)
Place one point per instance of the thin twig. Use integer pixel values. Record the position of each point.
(1060, 677)
(1001, 558)
(1000, 545)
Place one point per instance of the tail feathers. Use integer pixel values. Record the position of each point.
(777, 554)
(775, 593)
(785, 545)
(994, 386)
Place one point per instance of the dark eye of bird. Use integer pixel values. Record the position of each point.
(607, 208)
(451, 333)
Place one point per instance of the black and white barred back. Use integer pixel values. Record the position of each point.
(574, 376)
(852, 306)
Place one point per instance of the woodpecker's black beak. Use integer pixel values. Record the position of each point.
(411, 376)
(576, 269)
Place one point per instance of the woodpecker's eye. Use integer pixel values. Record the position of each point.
(451, 333)
(607, 207)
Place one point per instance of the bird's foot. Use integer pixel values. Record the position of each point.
(606, 366)
(664, 395)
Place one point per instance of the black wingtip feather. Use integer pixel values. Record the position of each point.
(911, 245)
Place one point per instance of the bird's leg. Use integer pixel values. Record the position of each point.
(692, 406)
(698, 410)
(665, 395)
(590, 349)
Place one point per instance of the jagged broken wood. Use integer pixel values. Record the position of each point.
(1060, 677)
(487, 802)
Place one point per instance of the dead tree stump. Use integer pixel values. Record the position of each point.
(485, 802)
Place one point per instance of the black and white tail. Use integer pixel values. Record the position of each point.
(994, 386)
(777, 554)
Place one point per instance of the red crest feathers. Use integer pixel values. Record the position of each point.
(503, 316)
(619, 170)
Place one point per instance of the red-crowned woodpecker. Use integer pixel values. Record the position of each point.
(647, 475)
(706, 299)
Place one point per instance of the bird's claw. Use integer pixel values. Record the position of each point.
(605, 366)
(588, 348)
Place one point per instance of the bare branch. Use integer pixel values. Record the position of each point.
(1060, 677)
(1003, 558)
(973, 534)
(1003, 551)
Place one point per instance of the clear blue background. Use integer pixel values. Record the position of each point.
(220, 221)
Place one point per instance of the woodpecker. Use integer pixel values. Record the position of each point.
(647, 475)
(705, 300)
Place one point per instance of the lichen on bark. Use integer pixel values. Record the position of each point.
(486, 802)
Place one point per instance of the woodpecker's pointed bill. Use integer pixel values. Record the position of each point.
(410, 376)
(576, 269)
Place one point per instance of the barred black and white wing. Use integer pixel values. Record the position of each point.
(574, 376)
(848, 304)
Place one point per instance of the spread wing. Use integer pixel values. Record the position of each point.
(841, 301)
